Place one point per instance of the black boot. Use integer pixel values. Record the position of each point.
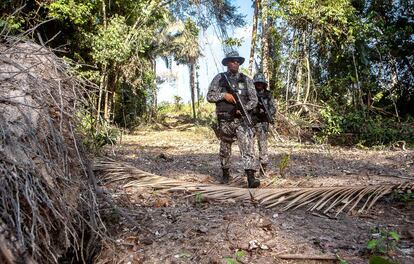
(251, 180)
(226, 176)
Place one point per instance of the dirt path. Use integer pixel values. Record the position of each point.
(174, 228)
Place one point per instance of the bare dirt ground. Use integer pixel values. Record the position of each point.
(168, 227)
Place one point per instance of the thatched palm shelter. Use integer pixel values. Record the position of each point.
(46, 202)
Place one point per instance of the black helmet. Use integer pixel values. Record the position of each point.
(259, 78)
(232, 55)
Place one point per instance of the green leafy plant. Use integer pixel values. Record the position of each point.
(230, 260)
(341, 261)
(379, 260)
(184, 255)
(96, 134)
(11, 23)
(233, 42)
(284, 163)
(332, 124)
(199, 199)
(385, 241)
(178, 102)
(237, 258)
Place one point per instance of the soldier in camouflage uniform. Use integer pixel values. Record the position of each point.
(231, 125)
(265, 99)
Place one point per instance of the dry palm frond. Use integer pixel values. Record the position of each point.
(323, 198)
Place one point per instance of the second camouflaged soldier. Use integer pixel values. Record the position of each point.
(231, 124)
(263, 115)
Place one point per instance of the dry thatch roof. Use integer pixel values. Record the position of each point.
(43, 181)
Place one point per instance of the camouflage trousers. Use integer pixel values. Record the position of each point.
(229, 132)
(261, 130)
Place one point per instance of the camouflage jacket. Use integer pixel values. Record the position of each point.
(216, 94)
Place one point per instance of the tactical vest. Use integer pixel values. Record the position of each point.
(225, 110)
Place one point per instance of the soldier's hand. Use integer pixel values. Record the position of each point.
(229, 98)
(238, 113)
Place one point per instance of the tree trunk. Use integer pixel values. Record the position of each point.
(192, 87)
(103, 80)
(256, 4)
(287, 87)
(108, 83)
(102, 87)
(288, 71)
(299, 81)
(302, 49)
(111, 85)
(104, 13)
(394, 82)
(106, 113)
(308, 69)
(154, 104)
(360, 101)
(198, 87)
(265, 39)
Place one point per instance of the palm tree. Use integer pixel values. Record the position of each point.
(180, 40)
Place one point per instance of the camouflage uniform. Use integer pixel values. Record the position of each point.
(259, 116)
(234, 127)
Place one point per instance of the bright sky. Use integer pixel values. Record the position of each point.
(210, 63)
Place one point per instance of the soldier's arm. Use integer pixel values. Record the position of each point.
(252, 103)
(214, 93)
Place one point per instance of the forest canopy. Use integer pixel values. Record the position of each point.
(343, 67)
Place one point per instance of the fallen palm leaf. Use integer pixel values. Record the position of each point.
(324, 198)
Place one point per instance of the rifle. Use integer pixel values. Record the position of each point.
(239, 103)
(266, 110)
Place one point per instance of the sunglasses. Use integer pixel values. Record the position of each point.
(234, 61)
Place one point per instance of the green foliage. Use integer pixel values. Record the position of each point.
(112, 43)
(178, 104)
(359, 54)
(359, 57)
(334, 22)
(230, 260)
(199, 199)
(332, 124)
(385, 241)
(374, 129)
(365, 128)
(205, 111)
(184, 255)
(404, 196)
(95, 134)
(341, 261)
(377, 97)
(233, 42)
(237, 258)
(284, 163)
(240, 254)
(11, 24)
(131, 105)
(78, 12)
(379, 260)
